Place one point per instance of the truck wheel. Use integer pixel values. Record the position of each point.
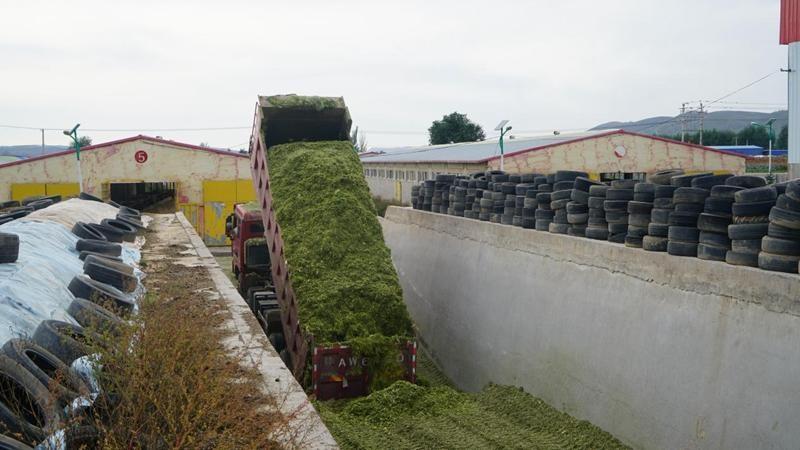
(278, 342)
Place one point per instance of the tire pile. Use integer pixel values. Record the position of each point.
(39, 385)
(12, 210)
(736, 219)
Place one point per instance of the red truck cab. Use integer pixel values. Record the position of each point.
(250, 259)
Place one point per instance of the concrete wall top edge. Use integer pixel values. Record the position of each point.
(777, 292)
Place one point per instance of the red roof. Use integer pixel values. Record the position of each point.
(130, 139)
(790, 21)
(611, 133)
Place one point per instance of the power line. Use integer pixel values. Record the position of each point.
(744, 87)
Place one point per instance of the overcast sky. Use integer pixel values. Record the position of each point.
(543, 64)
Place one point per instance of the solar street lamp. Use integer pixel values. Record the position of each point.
(771, 133)
(73, 134)
(503, 129)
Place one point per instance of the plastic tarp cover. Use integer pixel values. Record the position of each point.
(34, 288)
(74, 210)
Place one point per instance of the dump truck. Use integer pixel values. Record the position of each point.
(329, 370)
(250, 261)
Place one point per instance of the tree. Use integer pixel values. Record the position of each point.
(85, 141)
(359, 140)
(754, 135)
(783, 139)
(455, 127)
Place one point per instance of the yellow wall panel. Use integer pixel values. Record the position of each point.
(245, 191)
(21, 191)
(214, 215)
(65, 190)
(219, 191)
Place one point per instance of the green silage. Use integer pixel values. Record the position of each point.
(341, 269)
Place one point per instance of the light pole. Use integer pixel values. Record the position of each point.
(771, 133)
(73, 134)
(503, 129)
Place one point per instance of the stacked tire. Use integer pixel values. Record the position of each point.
(597, 227)
(616, 209)
(428, 187)
(509, 189)
(544, 214)
(531, 204)
(780, 248)
(688, 202)
(481, 193)
(578, 207)
(415, 197)
(639, 210)
(750, 209)
(713, 223)
(564, 182)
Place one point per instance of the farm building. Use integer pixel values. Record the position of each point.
(604, 154)
(142, 171)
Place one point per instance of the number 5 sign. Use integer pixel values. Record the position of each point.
(140, 156)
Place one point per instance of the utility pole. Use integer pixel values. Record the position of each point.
(702, 121)
(683, 122)
(42, 130)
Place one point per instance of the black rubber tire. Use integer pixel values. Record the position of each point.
(644, 187)
(654, 243)
(633, 241)
(9, 248)
(635, 207)
(720, 206)
(577, 208)
(66, 341)
(713, 223)
(6, 443)
(544, 214)
(777, 246)
(711, 252)
(683, 219)
(665, 191)
(278, 341)
(679, 248)
(596, 202)
(97, 246)
(581, 197)
(646, 197)
(715, 239)
(128, 231)
(778, 263)
(786, 202)
(56, 376)
(99, 271)
(117, 205)
(82, 230)
(686, 180)
(615, 206)
(780, 232)
(785, 218)
(32, 199)
(752, 246)
(762, 194)
(693, 208)
(658, 230)
(685, 234)
(563, 186)
(636, 231)
(584, 184)
(725, 191)
(40, 204)
(92, 316)
(9, 204)
(753, 209)
(543, 225)
(598, 190)
(741, 259)
(750, 219)
(618, 238)
(664, 177)
(102, 294)
(558, 228)
(133, 221)
(746, 181)
(618, 228)
(85, 254)
(109, 262)
(569, 175)
(577, 230)
(617, 217)
(793, 190)
(565, 194)
(623, 184)
(90, 197)
(746, 231)
(658, 215)
(110, 233)
(710, 181)
(690, 195)
(577, 219)
(596, 233)
(27, 410)
(639, 220)
(619, 194)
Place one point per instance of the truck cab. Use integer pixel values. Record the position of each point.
(250, 261)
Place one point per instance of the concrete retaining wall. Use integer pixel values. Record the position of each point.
(663, 352)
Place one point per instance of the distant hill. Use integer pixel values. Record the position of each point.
(27, 151)
(720, 120)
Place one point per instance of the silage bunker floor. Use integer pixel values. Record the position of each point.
(436, 415)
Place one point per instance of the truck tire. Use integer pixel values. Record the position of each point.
(685, 234)
(761, 194)
(133, 221)
(713, 223)
(780, 232)
(654, 243)
(661, 216)
(747, 231)
(686, 180)
(725, 191)
(100, 271)
(786, 202)
(721, 206)
(102, 294)
(690, 195)
(777, 246)
(9, 248)
(56, 376)
(6, 443)
(715, 239)
(665, 191)
(111, 234)
(82, 230)
(683, 219)
(27, 410)
(66, 341)
(619, 194)
(693, 208)
(778, 263)
(741, 259)
(749, 246)
(128, 231)
(98, 246)
(597, 233)
(746, 181)
(639, 220)
(635, 207)
(85, 254)
(785, 218)
(569, 175)
(598, 190)
(90, 197)
(710, 252)
(680, 248)
(793, 190)
(92, 316)
(664, 177)
(710, 181)
(128, 211)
